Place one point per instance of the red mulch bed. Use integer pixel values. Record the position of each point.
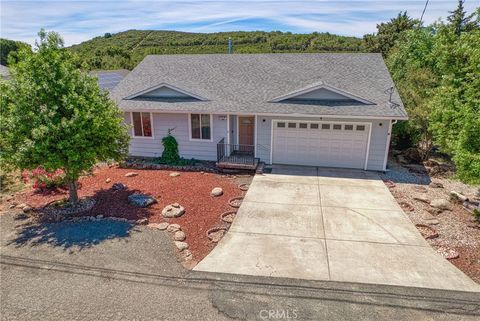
(190, 189)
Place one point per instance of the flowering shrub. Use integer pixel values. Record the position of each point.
(43, 179)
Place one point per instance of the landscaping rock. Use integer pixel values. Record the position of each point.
(20, 216)
(436, 185)
(181, 245)
(173, 228)
(131, 174)
(162, 226)
(402, 160)
(448, 253)
(21, 206)
(430, 219)
(174, 174)
(187, 254)
(108, 180)
(142, 221)
(458, 196)
(179, 236)
(431, 163)
(119, 187)
(99, 217)
(141, 200)
(434, 211)
(26, 209)
(422, 198)
(173, 210)
(217, 191)
(442, 204)
(420, 189)
(12, 206)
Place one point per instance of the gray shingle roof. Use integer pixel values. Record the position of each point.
(246, 83)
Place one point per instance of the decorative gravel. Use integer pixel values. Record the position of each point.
(456, 228)
(399, 174)
(190, 189)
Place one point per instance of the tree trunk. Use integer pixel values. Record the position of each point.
(72, 187)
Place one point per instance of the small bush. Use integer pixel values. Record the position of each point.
(43, 179)
(170, 150)
(476, 214)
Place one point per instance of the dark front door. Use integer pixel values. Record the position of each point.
(246, 133)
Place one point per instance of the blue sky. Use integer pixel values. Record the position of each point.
(80, 20)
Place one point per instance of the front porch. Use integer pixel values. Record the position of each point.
(236, 156)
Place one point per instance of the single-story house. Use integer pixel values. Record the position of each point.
(320, 109)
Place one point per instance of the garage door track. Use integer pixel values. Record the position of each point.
(329, 224)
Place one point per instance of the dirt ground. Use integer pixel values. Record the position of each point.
(189, 189)
(457, 229)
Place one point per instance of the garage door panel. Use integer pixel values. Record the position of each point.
(320, 147)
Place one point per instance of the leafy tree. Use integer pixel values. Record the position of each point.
(55, 116)
(460, 21)
(389, 33)
(8, 47)
(455, 120)
(413, 68)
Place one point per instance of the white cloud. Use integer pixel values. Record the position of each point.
(79, 20)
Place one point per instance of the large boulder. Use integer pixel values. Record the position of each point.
(173, 210)
(141, 200)
(441, 203)
(131, 174)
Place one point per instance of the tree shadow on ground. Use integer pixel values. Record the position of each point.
(68, 234)
(85, 233)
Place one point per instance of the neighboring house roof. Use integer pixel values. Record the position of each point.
(4, 71)
(265, 84)
(108, 79)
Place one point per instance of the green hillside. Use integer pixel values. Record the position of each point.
(127, 49)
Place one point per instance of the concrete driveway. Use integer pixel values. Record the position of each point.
(329, 224)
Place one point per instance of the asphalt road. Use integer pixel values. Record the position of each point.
(110, 271)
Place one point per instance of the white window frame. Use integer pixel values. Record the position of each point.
(190, 128)
(141, 122)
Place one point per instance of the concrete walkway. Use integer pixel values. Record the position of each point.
(329, 224)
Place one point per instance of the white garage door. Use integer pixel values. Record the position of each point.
(330, 144)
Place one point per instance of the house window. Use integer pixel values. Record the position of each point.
(303, 125)
(281, 125)
(361, 127)
(325, 126)
(348, 127)
(292, 125)
(142, 124)
(201, 126)
(314, 126)
(337, 126)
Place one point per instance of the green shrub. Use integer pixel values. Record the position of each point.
(170, 150)
(476, 214)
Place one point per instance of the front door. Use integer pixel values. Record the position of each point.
(246, 133)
